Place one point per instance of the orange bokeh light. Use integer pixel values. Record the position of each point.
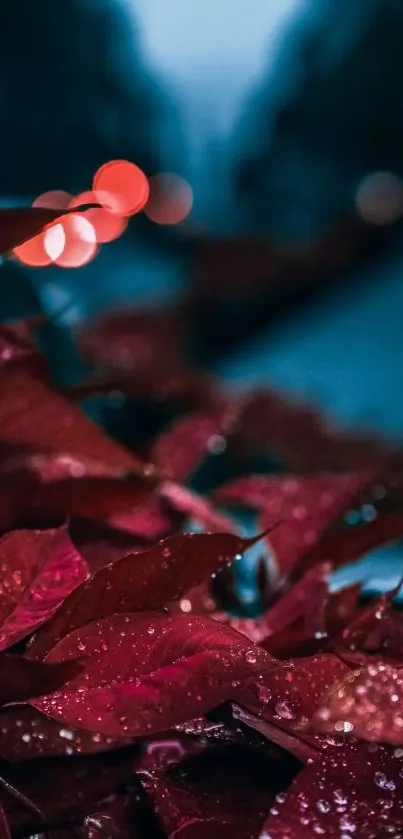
(43, 249)
(171, 199)
(106, 223)
(55, 199)
(80, 244)
(126, 182)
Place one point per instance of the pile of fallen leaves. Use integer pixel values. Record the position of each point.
(138, 699)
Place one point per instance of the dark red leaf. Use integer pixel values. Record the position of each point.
(308, 508)
(142, 581)
(137, 340)
(304, 439)
(19, 224)
(76, 464)
(181, 448)
(65, 790)
(147, 673)
(305, 602)
(367, 703)
(39, 569)
(22, 679)
(350, 791)
(194, 506)
(26, 734)
(216, 792)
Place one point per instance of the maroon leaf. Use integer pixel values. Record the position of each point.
(195, 506)
(86, 462)
(143, 581)
(181, 448)
(308, 507)
(22, 679)
(216, 792)
(350, 791)
(39, 569)
(304, 439)
(368, 703)
(304, 605)
(26, 734)
(65, 790)
(19, 224)
(137, 340)
(150, 672)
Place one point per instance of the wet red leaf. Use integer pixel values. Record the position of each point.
(149, 672)
(349, 791)
(39, 569)
(142, 581)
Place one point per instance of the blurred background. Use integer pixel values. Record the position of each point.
(282, 245)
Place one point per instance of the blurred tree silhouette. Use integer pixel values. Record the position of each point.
(327, 114)
(74, 91)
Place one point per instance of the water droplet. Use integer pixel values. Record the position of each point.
(284, 710)
(216, 444)
(151, 630)
(66, 734)
(80, 646)
(323, 806)
(250, 657)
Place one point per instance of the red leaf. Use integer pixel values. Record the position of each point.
(181, 448)
(143, 581)
(304, 603)
(350, 791)
(223, 793)
(367, 703)
(26, 734)
(195, 506)
(150, 672)
(308, 508)
(39, 569)
(66, 789)
(22, 679)
(75, 455)
(19, 224)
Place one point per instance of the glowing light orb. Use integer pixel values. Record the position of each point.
(171, 199)
(54, 241)
(379, 198)
(126, 182)
(80, 242)
(106, 221)
(55, 199)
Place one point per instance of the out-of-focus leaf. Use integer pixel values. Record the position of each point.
(367, 703)
(142, 581)
(306, 507)
(181, 448)
(39, 569)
